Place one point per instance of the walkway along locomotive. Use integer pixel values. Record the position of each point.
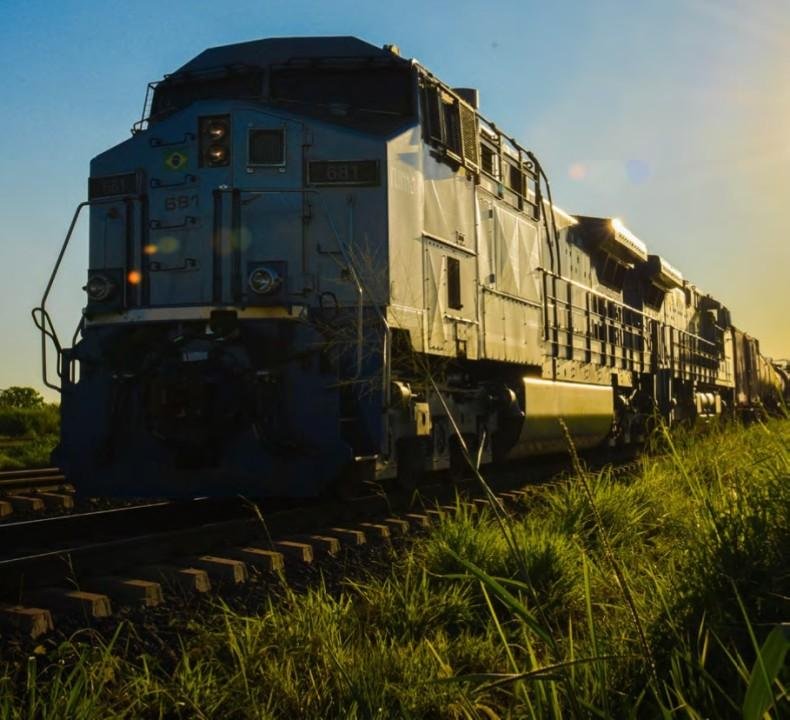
(312, 253)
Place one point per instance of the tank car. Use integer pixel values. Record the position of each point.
(314, 263)
(759, 386)
(782, 368)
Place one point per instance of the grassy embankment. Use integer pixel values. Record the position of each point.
(639, 596)
(27, 436)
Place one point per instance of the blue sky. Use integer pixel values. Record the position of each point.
(674, 116)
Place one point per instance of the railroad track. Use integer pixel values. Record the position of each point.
(132, 556)
(34, 490)
(91, 564)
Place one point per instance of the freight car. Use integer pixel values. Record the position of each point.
(782, 368)
(315, 261)
(760, 386)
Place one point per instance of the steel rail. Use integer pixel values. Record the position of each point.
(67, 531)
(29, 472)
(209, 526)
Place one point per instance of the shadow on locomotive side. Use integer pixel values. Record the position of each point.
(312, 254)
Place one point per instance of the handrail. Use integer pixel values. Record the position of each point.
(618, 303)
(41, 318)
(695, 355)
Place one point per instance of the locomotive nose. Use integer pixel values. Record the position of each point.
(196, 399)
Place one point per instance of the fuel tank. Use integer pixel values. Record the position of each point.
(587, 410)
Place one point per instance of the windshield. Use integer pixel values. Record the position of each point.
(375, 98)
(363, 94)
(178, 91)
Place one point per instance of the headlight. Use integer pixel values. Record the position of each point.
(264, 280)
(215, 140)
(217, 130)
(99, 288)
(217, 155)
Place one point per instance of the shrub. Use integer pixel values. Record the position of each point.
(28, 422)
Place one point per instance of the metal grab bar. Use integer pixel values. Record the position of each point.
(159, 143)
(189, 221)
(41, 318)
(157, 184)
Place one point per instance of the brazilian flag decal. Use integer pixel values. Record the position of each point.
(176, 160)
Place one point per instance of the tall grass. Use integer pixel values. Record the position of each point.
(659, 594)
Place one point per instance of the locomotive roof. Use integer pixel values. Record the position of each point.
(275, 51)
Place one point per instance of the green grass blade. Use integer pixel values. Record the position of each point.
(770, 660)
(511, 601)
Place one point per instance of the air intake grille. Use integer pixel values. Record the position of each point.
(267, 147)
(469, 134)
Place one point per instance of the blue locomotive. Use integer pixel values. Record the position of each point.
(314, 263)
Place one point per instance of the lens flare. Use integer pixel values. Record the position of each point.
(149, 249)
(577, 171)
(134, 277)
(169, 244)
